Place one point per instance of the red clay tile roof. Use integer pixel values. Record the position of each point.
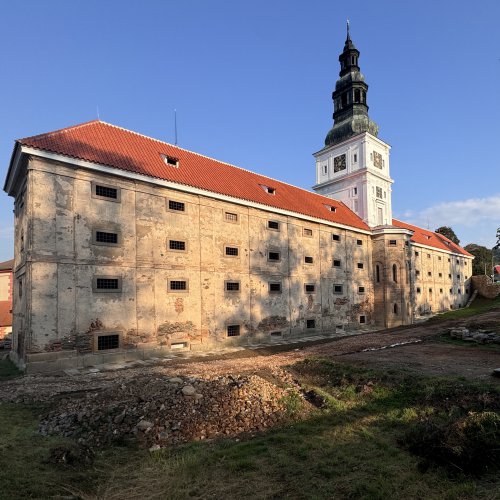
(5, 313)
(429, 238)
(106, 144)
(8, 265)
(497, 269)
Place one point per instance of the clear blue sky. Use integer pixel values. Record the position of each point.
(252, 83)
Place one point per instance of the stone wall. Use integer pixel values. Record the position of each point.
(485, 287)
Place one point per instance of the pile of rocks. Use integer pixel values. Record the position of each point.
(479, 336)
(162, 411)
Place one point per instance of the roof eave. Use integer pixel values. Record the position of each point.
(13, 171)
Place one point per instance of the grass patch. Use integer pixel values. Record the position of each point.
(446, 339)
(351, 448)
(8, 370)
(479, 305)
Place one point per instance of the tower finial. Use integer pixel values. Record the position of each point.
(348, 26)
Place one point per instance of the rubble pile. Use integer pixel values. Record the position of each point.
(161, 411)
(479, 336)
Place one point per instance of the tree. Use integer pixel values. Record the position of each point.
(482, 262)
(497, 246)
(449, 233)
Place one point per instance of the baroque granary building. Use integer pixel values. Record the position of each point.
(125, 244)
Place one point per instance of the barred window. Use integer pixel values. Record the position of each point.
(361, 289)
(336, 237)
(275, 287)
(232, 286)
(105, 237)
(273, 224)
(337, 288)
(176, 245)
(231, 251)
(231, 217)
(311, 323)
(308, 232)
(176, 205)
(178, 285)
(105, 342)
(336, 263)
(359, 242)
(308, 260)
(106, 192)
(108, 283)
(360, 265)
(309, 287)
(233, 330)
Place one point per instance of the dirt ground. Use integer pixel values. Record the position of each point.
(415, 348)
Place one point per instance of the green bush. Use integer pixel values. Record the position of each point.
(468, 444)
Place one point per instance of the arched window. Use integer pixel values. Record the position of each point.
(394, 273)
(395, 309)
(377, 273)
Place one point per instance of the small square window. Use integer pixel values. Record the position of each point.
(273, 224)
(418, 289)
(170, 161)
(231, 217)
(451, 290)
(362, 319)
(309, 287)
(449, 260)
(232, 286)
(458, 276)
(429, 273)
(430, 290)
(233, 330)
(177, 206)
(417, 272)
(307, 232)
(103, 237)
(177, 285)
(177, 245)
(416, 253)
(311, 323)
(231, 251)
(275, 287)
(274, 256)
(106, 342)
(359, 242)
(336, 237)
(439, 257)
(105, 192)
(336, 263)
(308, 259)
(392, 243)
(268, 189)
(360, 265)
(337, 288)
(440, 290)
(428, 255)
(361, 289)
(106, 284)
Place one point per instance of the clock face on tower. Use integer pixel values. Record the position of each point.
(377, 160)
(339, 163)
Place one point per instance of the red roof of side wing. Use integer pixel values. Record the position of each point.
(105, 144)
(431, 239)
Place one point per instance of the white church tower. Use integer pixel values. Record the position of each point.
(353, 167)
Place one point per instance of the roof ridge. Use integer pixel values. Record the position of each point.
(59, 131)
(218, 161)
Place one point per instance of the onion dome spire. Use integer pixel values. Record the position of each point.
(350, 114)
